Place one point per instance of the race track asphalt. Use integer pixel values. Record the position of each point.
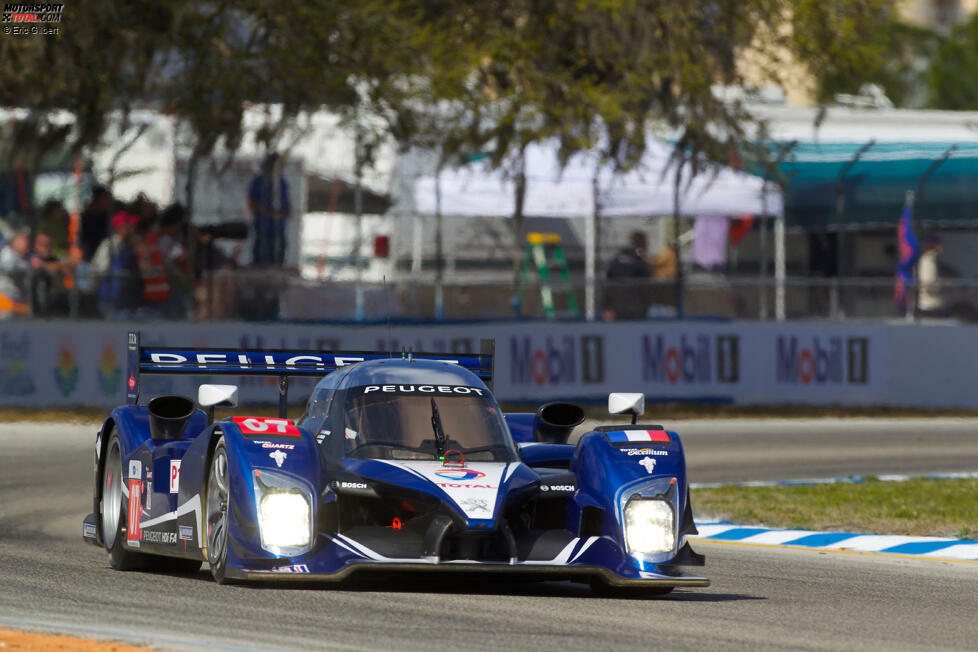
(736, 450)
(760, 598)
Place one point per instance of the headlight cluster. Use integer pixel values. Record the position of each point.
(284, 514)
(648, 518)
(650, 526)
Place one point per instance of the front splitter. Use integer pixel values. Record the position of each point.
(543, 570)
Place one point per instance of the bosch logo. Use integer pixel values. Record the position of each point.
(459, 474)
(558, 487)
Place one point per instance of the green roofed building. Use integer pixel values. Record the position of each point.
(905, 145)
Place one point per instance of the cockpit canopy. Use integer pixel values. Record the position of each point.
(410, 421)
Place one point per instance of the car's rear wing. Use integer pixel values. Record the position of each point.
(282, 363)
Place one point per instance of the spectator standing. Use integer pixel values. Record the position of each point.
(116, 264)
(176, 260)
(48, 295)
(625, 297)
(268, 201)
(16, 265)
(54, 222)
(931, 302)
(152, 270)
(663, 295)
(95, 222)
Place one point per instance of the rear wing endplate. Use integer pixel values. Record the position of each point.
(282, 363)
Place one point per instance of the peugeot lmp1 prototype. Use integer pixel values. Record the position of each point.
(400, 462)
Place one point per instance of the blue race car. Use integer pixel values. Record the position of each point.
(400, 462)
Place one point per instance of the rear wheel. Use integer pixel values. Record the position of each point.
(217, 508)
(113, 509)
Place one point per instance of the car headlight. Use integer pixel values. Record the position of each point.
(284, 514)
(649, 526)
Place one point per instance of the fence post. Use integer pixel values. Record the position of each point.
(779, 268)
(836, 310)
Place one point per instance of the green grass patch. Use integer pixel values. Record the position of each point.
(919, 507)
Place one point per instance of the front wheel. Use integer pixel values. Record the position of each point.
(217, 508)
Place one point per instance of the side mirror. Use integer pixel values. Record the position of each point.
(217, 396)
(622, 403)
(211, 396)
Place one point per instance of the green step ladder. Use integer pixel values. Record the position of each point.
(543, 252)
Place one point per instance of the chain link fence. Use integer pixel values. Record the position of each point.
(277, 295)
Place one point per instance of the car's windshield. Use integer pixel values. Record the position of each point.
(423, 422)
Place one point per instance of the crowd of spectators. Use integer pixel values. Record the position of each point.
(135, 261)
(128, 260)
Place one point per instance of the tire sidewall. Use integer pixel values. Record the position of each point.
(120, 558)
(219, 568)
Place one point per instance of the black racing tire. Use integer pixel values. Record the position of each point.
(217, 510)
(113, 509)
(601, 588)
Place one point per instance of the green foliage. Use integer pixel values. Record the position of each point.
(490, 76)
(953, 75)
(102, 61)
(917, 506)
(896, 55)
(841, 43)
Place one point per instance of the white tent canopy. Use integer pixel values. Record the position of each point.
(476, 190)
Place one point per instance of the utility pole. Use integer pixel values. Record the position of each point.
(769, 171)
(840, 229)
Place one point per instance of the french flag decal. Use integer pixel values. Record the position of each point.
(638, 436)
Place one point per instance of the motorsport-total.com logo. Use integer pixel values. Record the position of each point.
(28, 18)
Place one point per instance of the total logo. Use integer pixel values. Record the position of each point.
(459, 474)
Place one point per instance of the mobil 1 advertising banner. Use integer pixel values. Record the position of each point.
(698, 362)
(52, 363)
(824, 363)
(565, 361)
(665, 361)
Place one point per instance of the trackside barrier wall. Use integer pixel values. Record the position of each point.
(815, 363)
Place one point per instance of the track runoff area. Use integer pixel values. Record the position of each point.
(797, 596)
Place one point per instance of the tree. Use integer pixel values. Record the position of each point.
(952, 78)
(598, 74)
(102, 64)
